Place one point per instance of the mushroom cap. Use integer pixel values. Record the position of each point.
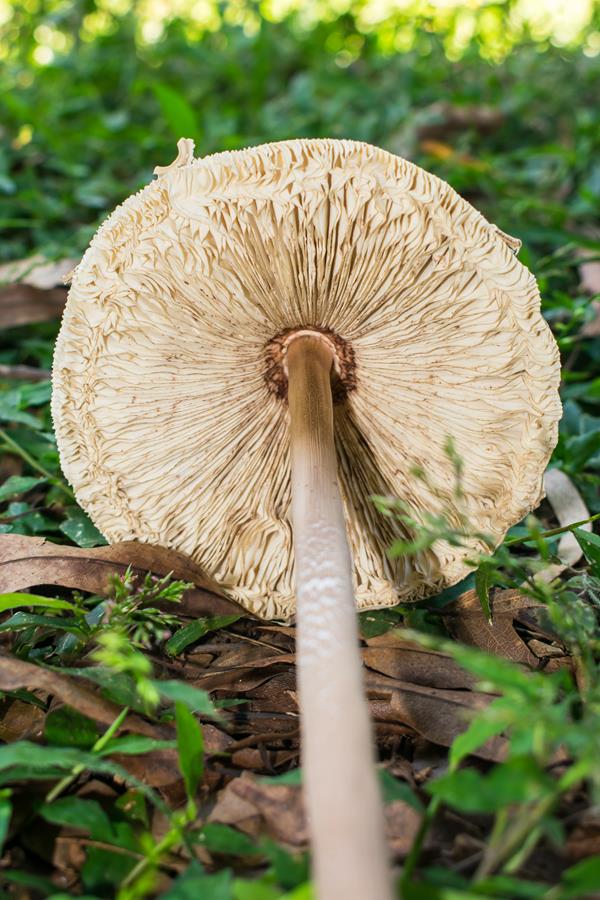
(171, 424)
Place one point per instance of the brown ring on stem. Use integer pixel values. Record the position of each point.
(343, 379)
(341, 791)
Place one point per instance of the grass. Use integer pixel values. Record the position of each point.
(81, 131)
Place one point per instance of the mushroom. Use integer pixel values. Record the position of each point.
(282, 332)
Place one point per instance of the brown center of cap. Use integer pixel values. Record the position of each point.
(343, 374)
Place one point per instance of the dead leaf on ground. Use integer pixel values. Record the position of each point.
(467, 623)
(31, 290)
(257, 808)
(27, 562)
(437, 715)
(22, 304)
(16, 673)
(392, 656)
(38, 271)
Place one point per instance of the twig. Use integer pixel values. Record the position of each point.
(24, 373)
(546, 534)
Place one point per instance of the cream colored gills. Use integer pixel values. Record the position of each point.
(171, 380)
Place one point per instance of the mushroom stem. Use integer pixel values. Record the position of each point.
(343, 803)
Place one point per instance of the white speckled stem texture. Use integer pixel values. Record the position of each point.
(350, 859)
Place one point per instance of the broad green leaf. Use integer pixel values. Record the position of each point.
(483, 582)
(517, 781)
(178, 113)
(116, 686)
(378, 621)
(14, 601)
(103, 870)
(36, 760)
(256, 889)
(294, 776)
(22, 620)
(291, 870)
(582, 879)
(590, 544)
(196, 630)
(190, 744)
(194, 884)
(67, 727)
(133, 744)
(194, 698)
(394, 789)
(5, 815)
(478, 732)
(77, 812)
(17, 485)
(218, 838)
(81, 530)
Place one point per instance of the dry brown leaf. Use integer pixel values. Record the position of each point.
(405, 661)
(437, 715)
(257, 807)
(26, 562)
(16, 673)
(38, 271)
(402, 823)
(23, 304)
(22, 721)
(467, 623)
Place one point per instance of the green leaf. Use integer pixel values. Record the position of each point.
(179, 115)
(104, 869)
(519, 780)
(36, 760)
(590, 544)
(81, 530)
(196, 630)
(22, 620)
(291, 870)
(14, 601)
(16, 485)
(478, 732)
(194, 884)
(134, 744)
(68, 727)
(394, 789)
(218, 838)
(378, 621)
(5, 815)
(582, 879)
(294, 776)
(256, 889)
(194, 698)
(484, 577)
(190, 744)
(76, 812)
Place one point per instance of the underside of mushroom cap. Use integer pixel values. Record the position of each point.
(168, 423)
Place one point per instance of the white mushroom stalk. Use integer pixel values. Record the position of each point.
(193, 410)
(341, 792)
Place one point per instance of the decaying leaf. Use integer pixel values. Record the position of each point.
(16, 673)
(390, 655)
(466, 622)
(29, 561)
(38, 271)
(23, 304)
(31, 290)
